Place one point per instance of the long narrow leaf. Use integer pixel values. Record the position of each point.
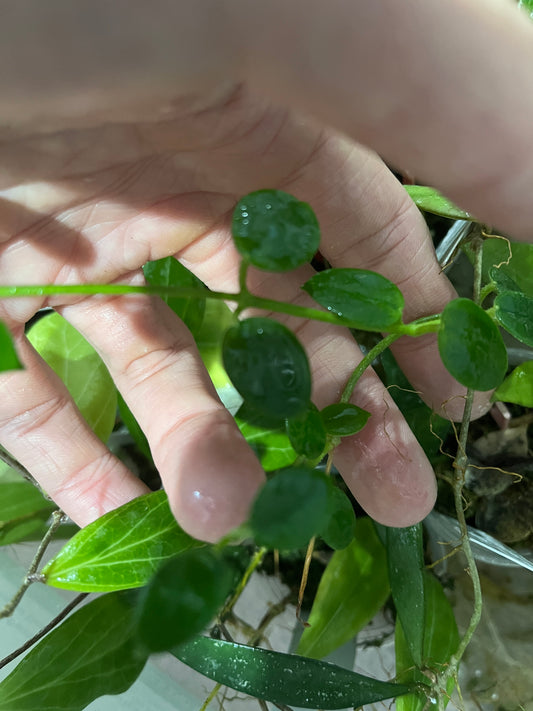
(284, 678)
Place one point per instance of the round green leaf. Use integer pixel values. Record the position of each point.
(81, 369)
(514, 312)
(275, 231)
(342, 419)
(307, 433)
(181, 598)
(366, 300)
(471, 346)
(291, 508)
(340, 529)
(268, 367)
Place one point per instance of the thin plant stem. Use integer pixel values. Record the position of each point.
(44, 631)
(17, 466)
(365, 363)
(254, 563)
(57, 520)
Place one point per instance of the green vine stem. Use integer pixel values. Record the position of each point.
(367, 361)
(31, 577)
(243, 299)
(460, 465)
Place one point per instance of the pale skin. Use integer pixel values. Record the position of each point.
(132, 137)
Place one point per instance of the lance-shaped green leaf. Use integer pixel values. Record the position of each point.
(340, 528)
(471, 346)
(514, 311)
(307, 433)
(274, 230)
(8, 355)
(81, 369)
(23, 512)
(441, 639)
(169, 272)
(120, 550)
(405, 557)
(92, 653)
(270, 442)
(430, 200)
(268, 366)
(518, 386)
(343, 419)
(366, 300)
(284, 678)
(291, 508)
(353, 588)
(182, 597)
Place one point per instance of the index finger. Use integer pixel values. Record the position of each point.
(443, 90)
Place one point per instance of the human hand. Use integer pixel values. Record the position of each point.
(89, 196)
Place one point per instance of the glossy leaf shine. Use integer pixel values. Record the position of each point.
(430, 200)
(471, 346)
(365, 299)
(344, 419)
(514, 312)
(283, 678)
(275, 231)
(120, 550)
(517, 386)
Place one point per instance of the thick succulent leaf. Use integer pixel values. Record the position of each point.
(307, 433)
(291, 508)
(471, 346)
(8, 355)
(169, 272)
(120, 550)
(518, 386)
(268, 366)
(343, 419)
(81, 369)
(405, 557)
(269, 441)
(182, 597)
(441, 639)
(514, 311)
(283, 678)
(353, 588)
(92, 653)
(365, 299)
(430, 200)
(275, 231)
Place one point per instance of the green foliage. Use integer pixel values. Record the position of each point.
(8, 355)
(352, 590)
(368, 301)
(405, 558)
(471, 346)
(441, 639)
(92, 653)
(291, 508)
(168, 272)
(120, 550)
(268, 366)
(513, 260)
(343, 419)
(23, 512)
(81, 369)
(275, 231)
(430, 200)
(518, 386)
(527, 5)
(340, 529)
(181, 598)
(284, 678)
(268, 439)
(514, 311)
(307, 433)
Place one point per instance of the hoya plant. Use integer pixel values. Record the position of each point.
(160, 590)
